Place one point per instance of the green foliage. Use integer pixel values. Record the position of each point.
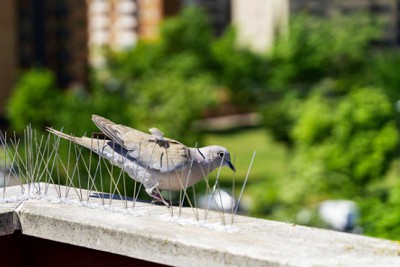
(318, 48)
(185, 40)
(135, 62)
(316, 51)
(384, 70)
(343, 146)
(242, 71)
(149, 85)
(331, 107)
(355, 135)
(381, 213)
(78, 106)
(279, 117)
(188, 32)
(167, 81)
(171, 103)
(34, 101)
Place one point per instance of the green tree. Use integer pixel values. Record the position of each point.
(352, 137)
(240, 70)
(316, 50)
(34, 101)
(381, 213)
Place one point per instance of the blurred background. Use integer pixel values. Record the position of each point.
(313, 86)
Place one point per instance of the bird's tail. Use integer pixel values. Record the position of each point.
(62, 135)
(91, 143)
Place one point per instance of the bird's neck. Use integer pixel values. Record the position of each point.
(201, 156)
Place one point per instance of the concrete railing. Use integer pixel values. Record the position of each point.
(181, 237)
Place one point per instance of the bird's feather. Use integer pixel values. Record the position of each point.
(152, 151)
(152, 159)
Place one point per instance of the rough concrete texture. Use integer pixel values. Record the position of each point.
(150, 233)
(8, 218)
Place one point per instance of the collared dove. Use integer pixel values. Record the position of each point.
(159, 163)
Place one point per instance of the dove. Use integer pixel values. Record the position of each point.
(158, 162)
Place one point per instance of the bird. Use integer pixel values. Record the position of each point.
(158, 162)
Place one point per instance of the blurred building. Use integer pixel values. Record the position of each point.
(386, 11)
(120, 23)
(258, 22)
(42, 33)
(8, 50)
(53, 34)
(112, 24)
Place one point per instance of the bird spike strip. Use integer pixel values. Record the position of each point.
(44, 167)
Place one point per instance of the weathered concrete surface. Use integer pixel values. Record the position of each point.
(256, 243)
(9, 221)
(150, 233)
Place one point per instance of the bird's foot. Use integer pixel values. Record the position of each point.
(161, 202)
(159, 199)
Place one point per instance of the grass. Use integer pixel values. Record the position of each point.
(269, 161)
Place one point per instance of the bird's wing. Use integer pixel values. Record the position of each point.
(151, 151)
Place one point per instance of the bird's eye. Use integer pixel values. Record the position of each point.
(221, 154)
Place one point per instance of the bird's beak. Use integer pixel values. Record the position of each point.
(230, 165)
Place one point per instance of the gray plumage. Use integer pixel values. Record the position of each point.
(155, 161)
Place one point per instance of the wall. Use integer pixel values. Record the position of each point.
(23, 250)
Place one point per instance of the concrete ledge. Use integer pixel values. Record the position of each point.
(9, 221)
(150, 233)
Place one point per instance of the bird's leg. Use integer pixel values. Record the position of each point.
(155, 193)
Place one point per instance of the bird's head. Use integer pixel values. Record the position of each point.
(216, 156)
